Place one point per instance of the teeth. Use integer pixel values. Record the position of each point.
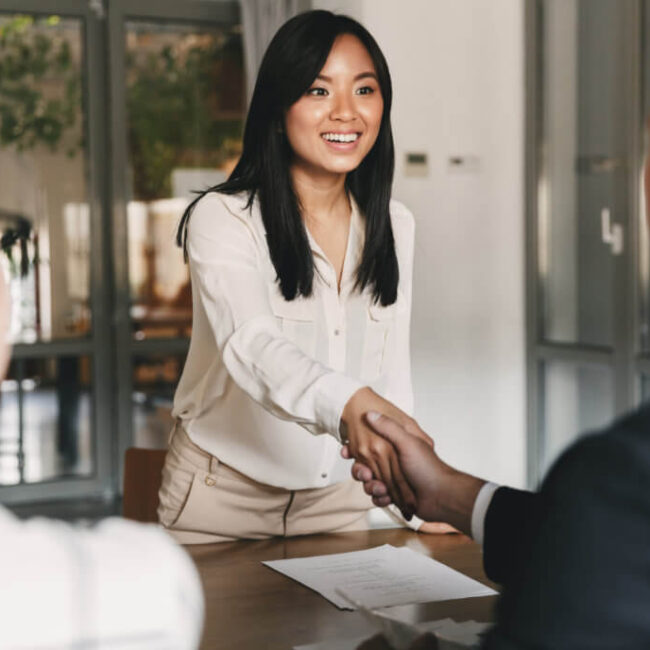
(340, 137)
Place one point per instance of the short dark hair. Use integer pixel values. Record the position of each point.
(292, 61)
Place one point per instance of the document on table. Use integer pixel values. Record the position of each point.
(384, 576)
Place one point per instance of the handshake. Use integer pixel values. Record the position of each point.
(397, 463)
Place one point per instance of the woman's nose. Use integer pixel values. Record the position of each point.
(343, 108)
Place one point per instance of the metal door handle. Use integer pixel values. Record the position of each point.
(612, 234)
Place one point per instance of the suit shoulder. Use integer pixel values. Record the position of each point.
(620, 454)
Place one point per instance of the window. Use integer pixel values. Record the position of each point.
(101, 302)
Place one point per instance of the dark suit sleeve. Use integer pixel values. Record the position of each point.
(509, 521)
(581, 578)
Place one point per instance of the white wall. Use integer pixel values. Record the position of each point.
(457, 68)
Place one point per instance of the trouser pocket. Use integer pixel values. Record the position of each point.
(201, 494)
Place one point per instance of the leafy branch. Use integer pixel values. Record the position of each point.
(40, 89)
(176, 116)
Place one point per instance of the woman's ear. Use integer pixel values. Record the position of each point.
(5, 317)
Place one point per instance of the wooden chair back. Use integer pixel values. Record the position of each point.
(142, 478)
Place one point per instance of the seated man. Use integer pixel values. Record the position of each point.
(573, 559)
(120, 584)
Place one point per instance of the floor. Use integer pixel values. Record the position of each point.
(51, 446)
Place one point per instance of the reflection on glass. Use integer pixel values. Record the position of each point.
(584, 170)
(185, 111)
(645, 388)
(575, 400)
(45, 420)
(154, 381)
(44, 217)
(643, 257)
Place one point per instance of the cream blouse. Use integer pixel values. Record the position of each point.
(266, 380)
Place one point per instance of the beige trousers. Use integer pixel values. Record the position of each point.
(202, 501)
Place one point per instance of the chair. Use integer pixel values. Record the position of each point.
(142, 478)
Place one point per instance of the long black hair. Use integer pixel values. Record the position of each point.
(292, 61)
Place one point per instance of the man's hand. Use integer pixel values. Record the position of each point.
(442, 493)
(374, 452)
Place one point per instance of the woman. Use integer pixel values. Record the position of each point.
(301, 275)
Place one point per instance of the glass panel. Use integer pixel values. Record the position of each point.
(644, 193)
(185, 106)
(575, 400)
(154, 381)
(644, 382)
(584, 175)
(44, 217)
(50, 402)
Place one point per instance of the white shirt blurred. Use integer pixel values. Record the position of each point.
(117, 585)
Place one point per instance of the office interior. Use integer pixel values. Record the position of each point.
(520, 132)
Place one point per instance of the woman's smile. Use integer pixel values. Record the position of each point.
(342, 141)
(333, 126)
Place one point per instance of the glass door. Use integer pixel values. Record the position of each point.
(642, 332)
(178, 88)
(55, 415)
(582, 180)
(91, 192)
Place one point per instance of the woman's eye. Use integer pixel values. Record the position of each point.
(318, 92)
(366, 90)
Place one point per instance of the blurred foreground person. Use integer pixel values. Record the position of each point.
(118, 585)
(573, 558)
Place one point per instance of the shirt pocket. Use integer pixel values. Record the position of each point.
(297, 320)
(378, 346)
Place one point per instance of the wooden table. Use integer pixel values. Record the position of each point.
(252, 607)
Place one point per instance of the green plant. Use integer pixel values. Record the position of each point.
(184, 101)
(175, 100)
(40, 88)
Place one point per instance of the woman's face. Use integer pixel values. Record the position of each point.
(335, 123)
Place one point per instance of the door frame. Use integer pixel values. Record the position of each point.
(101, 482)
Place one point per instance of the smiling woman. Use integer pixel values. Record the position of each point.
(334, 125)
(301, 275)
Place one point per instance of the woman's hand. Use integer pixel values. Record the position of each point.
(375, 452)
(443, 494)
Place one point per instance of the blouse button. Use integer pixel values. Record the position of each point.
(323, 475)
(337, 332)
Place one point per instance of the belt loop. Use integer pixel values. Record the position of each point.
(214, 463)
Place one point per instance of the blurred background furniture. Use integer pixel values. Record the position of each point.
(142, 477)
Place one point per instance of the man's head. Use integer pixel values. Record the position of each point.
(4, 325)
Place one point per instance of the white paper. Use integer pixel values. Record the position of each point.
(399, 634)
(450, 634)
(384, 576)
